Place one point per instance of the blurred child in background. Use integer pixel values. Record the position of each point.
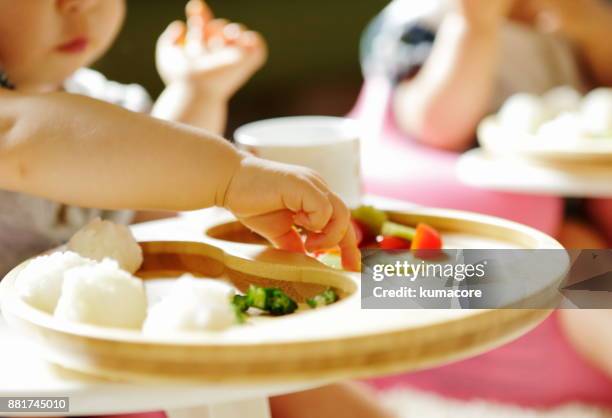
(459, 60)
(451, 63)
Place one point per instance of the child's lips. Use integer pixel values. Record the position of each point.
(74, 46)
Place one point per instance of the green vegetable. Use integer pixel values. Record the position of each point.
(324, 298)
(370, 217)
(397, 230)
(240, 305)
(241, 317)
(270, 299)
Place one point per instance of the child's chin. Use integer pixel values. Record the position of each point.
(57, 75)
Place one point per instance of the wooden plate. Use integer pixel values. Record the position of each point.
(339, 341)
(498, 140)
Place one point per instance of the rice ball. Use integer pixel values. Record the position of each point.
(192, 305)
(562, 99)
(40, 282)
(104, 239)
(596, 112)
(102, 294)
(523, 113)
(564, 129)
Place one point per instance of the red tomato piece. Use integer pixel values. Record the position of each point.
(426, 238)
(427, 242)
(393, 243)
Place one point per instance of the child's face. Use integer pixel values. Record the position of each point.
(42, 42)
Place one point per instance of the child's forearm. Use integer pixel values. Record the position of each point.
(88, 153)
(443, 104)
(181, 103)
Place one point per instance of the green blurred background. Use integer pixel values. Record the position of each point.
(313, 66)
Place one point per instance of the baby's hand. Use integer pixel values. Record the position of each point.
(272, 198)
(213, 56)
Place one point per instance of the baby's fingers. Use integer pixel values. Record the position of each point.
(334, 231)
(252, 40)
(198, 9)
(198, 16)
(214, 33)
(174, 34)
(277, 227)
(310, 204)
(351, 256)
(232, 33)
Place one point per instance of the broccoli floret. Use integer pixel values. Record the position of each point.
(241, 303)
(324, 298)
(241, 316)
(270, 299)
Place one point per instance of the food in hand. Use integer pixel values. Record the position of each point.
(327, 297)
(192, 305)
(40, 282)
(104, 239)
(102, 294)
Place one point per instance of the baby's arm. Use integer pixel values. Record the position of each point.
(443, 104)
(88, 153)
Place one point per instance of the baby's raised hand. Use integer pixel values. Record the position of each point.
(213, 56)
(273, 198)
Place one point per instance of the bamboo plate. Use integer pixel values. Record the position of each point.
(339, 341)
(498, 140)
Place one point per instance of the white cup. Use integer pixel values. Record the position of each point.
(328, 145)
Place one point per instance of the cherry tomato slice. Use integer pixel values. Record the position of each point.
(393, 243)
(426, 238)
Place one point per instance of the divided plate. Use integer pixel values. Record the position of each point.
(338, 341)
